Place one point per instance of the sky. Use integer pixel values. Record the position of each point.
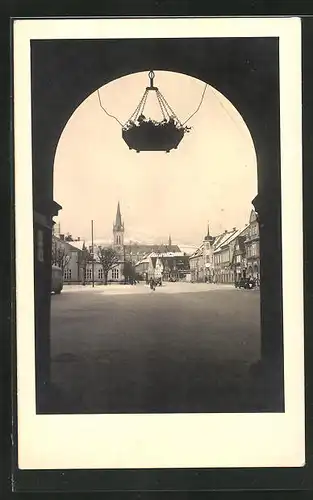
(211, 177)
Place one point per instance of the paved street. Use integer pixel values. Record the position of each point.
(183, 348)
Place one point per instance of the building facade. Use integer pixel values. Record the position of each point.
(202, 260)
(239, 262)
(170, 266)
(227, 257)
(252, 247)
(66, 256)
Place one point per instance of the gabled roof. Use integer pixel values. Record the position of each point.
(253, 216)
(167, 254)
(198, 252)
(71, 245)
(223, 240)
(88, 243)
(145, 260)
(142, 248)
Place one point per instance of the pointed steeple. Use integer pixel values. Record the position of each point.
(208, 236)
(208, 233)
(118, 219)
(118, 228)
(170, 241)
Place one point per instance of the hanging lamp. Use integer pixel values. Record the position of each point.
(145, 134)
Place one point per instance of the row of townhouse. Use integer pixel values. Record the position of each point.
(170, 266)
(228, 256)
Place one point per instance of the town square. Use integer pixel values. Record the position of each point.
(183, 348)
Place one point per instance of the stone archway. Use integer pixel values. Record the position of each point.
(245, 71)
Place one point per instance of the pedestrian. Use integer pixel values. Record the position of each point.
(152, 284)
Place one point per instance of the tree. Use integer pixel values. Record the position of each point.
(108, 259)
(60, 256)
(84, 257)
(129, 271)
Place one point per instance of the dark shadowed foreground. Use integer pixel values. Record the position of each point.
(183, 348)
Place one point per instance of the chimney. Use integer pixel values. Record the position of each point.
(78, 238)
(234, 228)
(61, 237)
(225, 232)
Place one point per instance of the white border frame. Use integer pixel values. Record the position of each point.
(146, 440)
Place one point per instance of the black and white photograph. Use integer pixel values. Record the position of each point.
(158, 214)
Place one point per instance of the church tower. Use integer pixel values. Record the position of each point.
(118, 231)
(208, 237)
(169, 242)
(208, 256)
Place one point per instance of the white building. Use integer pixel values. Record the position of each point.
(133, 252)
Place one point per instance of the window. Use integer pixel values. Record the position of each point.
(115, 274)
(88, 274)
(68, 274)
(100, 274)
(225, 256)
(254, 229)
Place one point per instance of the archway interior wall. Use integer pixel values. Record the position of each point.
(242, 70)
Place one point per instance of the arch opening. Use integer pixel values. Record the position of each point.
(216, 162)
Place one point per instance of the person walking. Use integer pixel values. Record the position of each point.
(152, 284)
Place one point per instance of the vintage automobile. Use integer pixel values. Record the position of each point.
(246, 283)
(56, 280)
(172, 279)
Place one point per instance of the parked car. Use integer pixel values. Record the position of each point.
(56, 280)
(246, 283)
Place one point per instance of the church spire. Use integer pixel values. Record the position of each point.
(118, 220)
(170, 241)
(118, 229)
(208, 236)
(208, 233)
